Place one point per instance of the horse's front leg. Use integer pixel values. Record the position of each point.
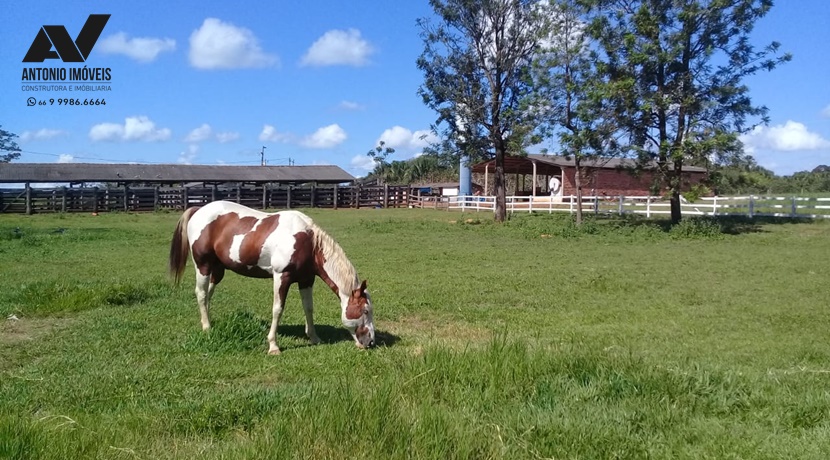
(308, 307)
(281, 284)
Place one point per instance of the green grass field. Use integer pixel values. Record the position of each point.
(528, 340)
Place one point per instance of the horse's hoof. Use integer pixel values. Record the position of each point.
(314, 340)
(274, 352)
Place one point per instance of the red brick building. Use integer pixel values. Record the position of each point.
(607, 178)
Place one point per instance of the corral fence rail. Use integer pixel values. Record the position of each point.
(146, 199)
(33, 200)
(750, 206)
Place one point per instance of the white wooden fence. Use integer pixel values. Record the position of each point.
(751, 206)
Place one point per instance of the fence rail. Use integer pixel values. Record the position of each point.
(99, 199)
(95, 199)
(751, 206)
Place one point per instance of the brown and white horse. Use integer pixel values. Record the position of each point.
(286, 246)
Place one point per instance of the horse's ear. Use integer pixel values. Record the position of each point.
(363, 287)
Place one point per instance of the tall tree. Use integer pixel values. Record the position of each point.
(476, 64)
(569, 76)
(687, 60)
(379, 154)
(9, 150)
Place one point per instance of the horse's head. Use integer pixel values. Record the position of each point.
(357, 317)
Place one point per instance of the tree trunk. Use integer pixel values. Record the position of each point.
(676, 215)
(498, 186)
(578, 186)
(675, 182)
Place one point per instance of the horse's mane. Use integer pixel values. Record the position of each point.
(343, 274)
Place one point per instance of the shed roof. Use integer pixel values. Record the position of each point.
(168, 173)
(551, 164)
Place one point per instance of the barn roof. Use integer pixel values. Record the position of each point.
(168, 173)
(551, 164)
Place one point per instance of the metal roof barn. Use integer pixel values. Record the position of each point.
(169, 173)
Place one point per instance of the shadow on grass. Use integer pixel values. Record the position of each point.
(727, 225)
(242, 331)
(333, 334)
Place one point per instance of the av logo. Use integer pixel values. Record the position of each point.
(64, 48)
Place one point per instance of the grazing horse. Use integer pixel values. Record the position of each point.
(286, 246)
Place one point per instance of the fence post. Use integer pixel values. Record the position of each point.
(95, 200)
(622, 198)
(385, 196)
(156, 198)
(126, 198)
(239, 192)
(288, 197)
(571, 204)
(334, 200)
(596, 205)
(28, 198)
(264, 196)
(357, 197)
(715, 205)
(648, 206)
(63, 199)
(313, 196)
(751, 206)
(794, 207)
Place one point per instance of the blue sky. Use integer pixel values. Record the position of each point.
(320, 82)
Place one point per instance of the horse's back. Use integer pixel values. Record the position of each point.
(245, 239)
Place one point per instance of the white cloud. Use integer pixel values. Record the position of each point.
(399, 137)
(325, 137)
(66, 158)
(187, 157)
(349, 105)
(362, 163)
(138, 128)
(338, 47)
(142, 49)
(221, 45)
(226, 137)
(42, 134)
(826, 112)
(202, 133)
(789, 137)
(270, 134)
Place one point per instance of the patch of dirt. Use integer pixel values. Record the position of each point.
(447, 330)
(15, 330)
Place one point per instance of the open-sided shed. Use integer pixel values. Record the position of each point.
(606, 177)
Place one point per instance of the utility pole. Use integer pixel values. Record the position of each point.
(262, 156)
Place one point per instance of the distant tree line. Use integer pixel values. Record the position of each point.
(419, 170)
(746, 176)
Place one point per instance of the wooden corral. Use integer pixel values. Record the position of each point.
(78, 187)
(137, 199)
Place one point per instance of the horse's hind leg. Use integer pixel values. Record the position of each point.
(280, 290)
(203, 291)
(308, 307)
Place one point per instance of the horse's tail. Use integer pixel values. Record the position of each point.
(180, 247)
